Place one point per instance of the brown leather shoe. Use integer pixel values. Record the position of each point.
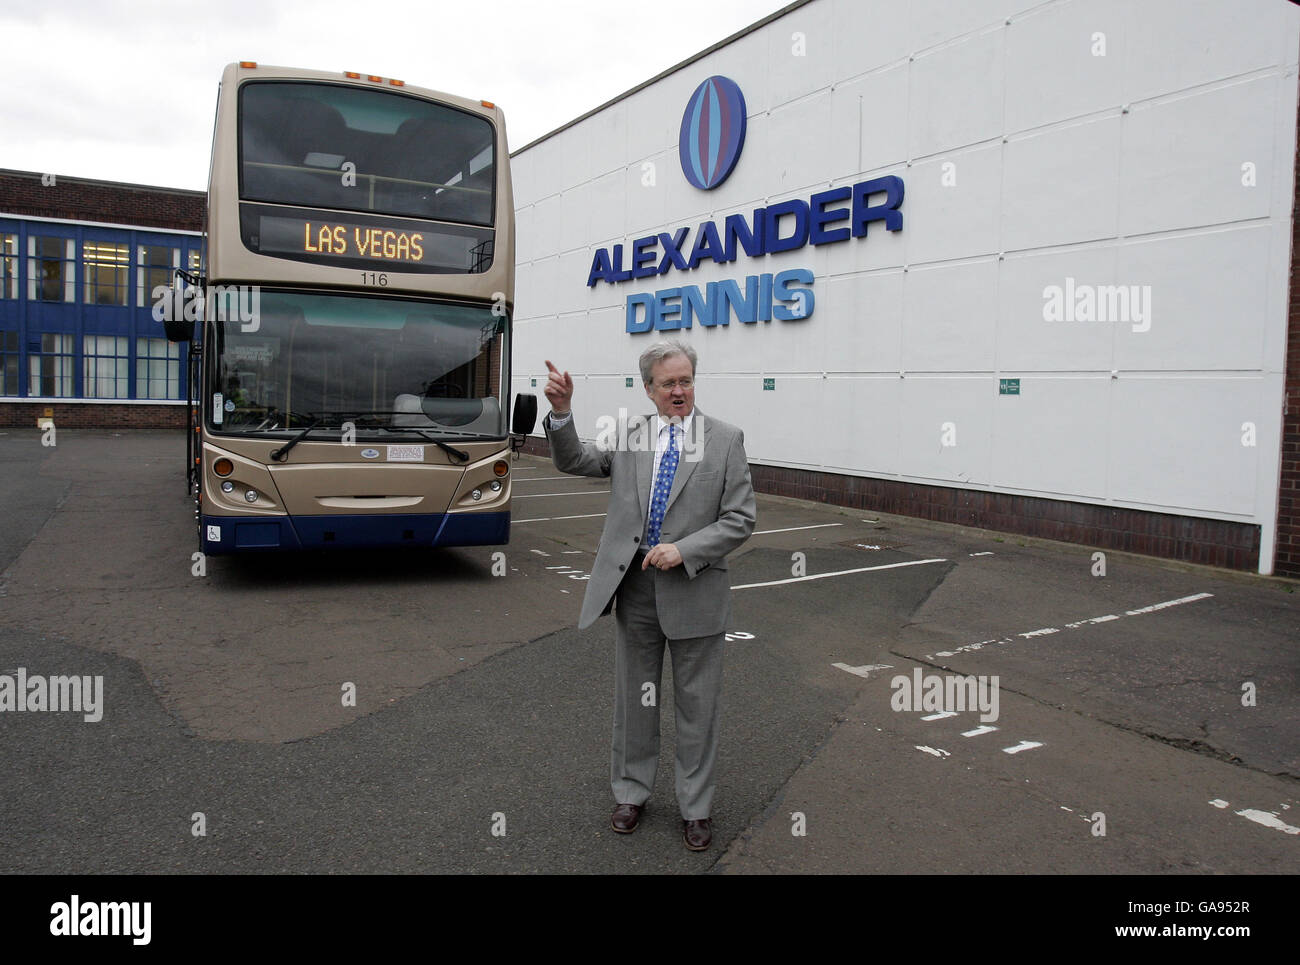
(698, 834)
(625, 818)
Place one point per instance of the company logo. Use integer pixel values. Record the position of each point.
(713, 132)
(369, 453)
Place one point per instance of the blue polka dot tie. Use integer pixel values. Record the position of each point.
(663, 486)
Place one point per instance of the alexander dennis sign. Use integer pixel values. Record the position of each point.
(712, 135)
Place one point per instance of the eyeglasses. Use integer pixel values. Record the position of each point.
(673, 383)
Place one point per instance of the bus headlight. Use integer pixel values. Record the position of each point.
(227, 487)
(476, 495)
(251, 495)
(496, 485)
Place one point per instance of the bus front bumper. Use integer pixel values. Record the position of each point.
(251, 534)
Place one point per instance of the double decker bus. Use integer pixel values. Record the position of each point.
(351, 381)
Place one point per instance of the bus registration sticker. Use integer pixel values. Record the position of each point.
(406, 453)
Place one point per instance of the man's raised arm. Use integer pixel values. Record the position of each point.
(567, 452)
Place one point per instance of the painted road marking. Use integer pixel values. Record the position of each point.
(936, 751)
(865, 669)
(941, 715)
(540, 552)
(823, 576)
(547, 519)
(982, 729)
(986, 553)
(1082, 623)
(544, 478)
(1268, 819)
(1160, 606)
(1044, 631)
(1022, 746)
(585, 492)
(791, 529)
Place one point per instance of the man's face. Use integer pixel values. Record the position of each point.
(672, 387)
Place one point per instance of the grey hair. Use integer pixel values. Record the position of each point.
(659, 351)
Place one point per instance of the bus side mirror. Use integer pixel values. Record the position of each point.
(525, 414)
(176, 327)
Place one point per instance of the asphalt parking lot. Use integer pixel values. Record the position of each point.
(1147, 717)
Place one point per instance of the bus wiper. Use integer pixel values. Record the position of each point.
(458, 453)
(281, 454)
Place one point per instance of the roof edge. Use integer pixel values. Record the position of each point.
(757, 25)
(70, 179)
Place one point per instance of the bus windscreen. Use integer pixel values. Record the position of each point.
(319, 145)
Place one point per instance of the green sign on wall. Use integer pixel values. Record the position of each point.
(1008, 386)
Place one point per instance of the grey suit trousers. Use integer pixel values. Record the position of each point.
(697, 688)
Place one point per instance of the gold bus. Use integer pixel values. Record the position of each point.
(356, 298)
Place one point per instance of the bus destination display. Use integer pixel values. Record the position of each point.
(343, 239)
(360, 243)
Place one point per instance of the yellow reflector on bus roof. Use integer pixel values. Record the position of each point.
(398, 83)
(374, 78)
(488, 104)
(352, 73)
(249, 64)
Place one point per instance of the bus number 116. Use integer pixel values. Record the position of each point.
(372, 278)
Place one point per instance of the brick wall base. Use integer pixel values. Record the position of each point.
(81, 416)
(1190, 539)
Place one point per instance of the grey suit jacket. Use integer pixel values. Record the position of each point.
(711, 512)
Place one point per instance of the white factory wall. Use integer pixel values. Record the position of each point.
(1122, 167)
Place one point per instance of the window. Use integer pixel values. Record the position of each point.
(157, 262)
(50, 372)
(8, 363)
(49, 269)
(332, 146)
(157, 369)
(8, 266)
(105, 367)
(105, 268)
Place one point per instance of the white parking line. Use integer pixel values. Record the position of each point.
(982, 729)
(1022, 746)
(864, 670)
(591, 492)
(544, 478)
(941, 715)
(547, 519)
(936, 751)
(1160, 606)
(1044, 631)
(791, 529)
(823, 576)
(1268, 819)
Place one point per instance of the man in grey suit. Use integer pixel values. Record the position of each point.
(680, 500)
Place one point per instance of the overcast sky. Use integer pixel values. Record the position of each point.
(124, 90)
